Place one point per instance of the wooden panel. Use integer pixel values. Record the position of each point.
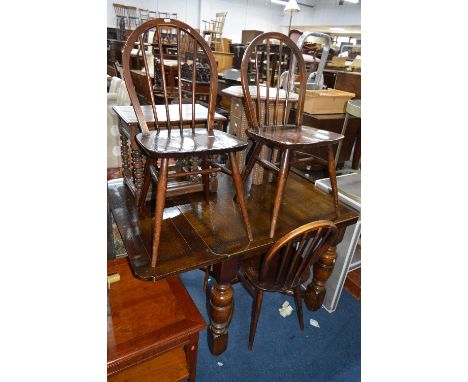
(168, 367)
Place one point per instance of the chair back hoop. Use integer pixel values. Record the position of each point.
(318, 80)
(199, 42)
(287, 263)
(254, 114)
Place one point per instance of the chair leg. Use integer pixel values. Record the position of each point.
(298, 300)
(332, 175)
(146, 182)
(283, 175)
(256, 307)
(205, 279)
(160, 201)
(240, 193)
(251, 158)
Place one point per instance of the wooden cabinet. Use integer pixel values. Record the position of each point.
(249, 35)
(341, 80)
(152, 333)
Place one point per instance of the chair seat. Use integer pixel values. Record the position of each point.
(291, 136)
(188, 144)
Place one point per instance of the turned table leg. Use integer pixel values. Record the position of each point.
(138, 171)
(323, 268)
(124, 154)
(221, 305)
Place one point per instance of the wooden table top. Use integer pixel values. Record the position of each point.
(196, 234)
(146, 316)
(201, 113)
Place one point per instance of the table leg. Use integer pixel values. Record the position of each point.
(221, 305)
(124, 154)
(323, 268)
(138, 171)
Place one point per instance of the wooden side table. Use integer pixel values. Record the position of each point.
(152, 333)
(132, 157)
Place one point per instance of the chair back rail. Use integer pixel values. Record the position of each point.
(273, 73)
(288, 261)
(200, 46)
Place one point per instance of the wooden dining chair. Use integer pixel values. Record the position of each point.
(285, 266)
(267, 116)
(170, 139)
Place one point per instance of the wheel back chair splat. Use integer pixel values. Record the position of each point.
(273, 130)
(285, 266)
(163, 145)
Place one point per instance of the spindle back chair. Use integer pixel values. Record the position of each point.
(164, 134)
(144, 15)
(268, 116)
(285, 266)
(132, 16)
(120, 12)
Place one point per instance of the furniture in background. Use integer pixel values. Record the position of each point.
(168, 34)
(315, 72)
(343, 80)
(132, 157)
(153, 329)
(351, 146)
(275, 132)
(239, 124)
(353, 107)
(163, 146)
(117, 95)
(223, 61)
(198, 235)
(348, 257)
(285, 266)
(132, 17)
(238, 52)
(120, 13)
(249, 35)
(144, 15)
(214, 30)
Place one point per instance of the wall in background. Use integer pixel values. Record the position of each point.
(324, 12)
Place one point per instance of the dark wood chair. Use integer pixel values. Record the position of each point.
(267, 116)
(286, 266)
(163, 143)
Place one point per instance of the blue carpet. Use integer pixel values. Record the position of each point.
(281, 351)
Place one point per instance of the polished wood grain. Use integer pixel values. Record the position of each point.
(150, 320)
(166, 145)
(279, 135)
(285, 266)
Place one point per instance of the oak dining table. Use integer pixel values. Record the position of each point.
(196, 234)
